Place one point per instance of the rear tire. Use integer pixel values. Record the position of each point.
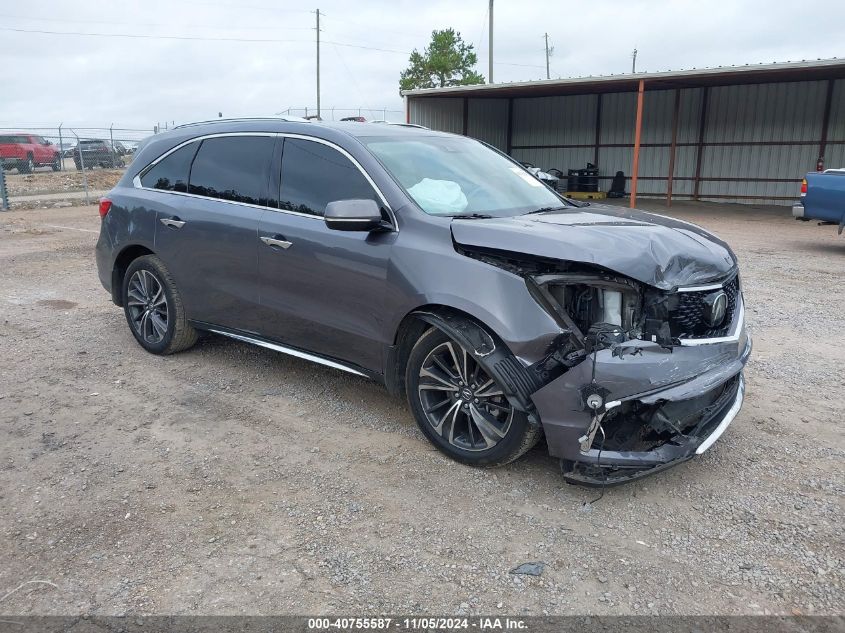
(26, 166)
(153, 308)
(460, 409)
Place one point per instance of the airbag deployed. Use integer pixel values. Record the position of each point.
(439, 196)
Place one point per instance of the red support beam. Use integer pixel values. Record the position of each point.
(671, 177)
(826, 120)
(635, 168)
(702, 128)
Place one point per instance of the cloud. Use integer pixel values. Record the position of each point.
(141, 81)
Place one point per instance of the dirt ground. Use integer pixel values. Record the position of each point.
(230, 479)
(46, 181)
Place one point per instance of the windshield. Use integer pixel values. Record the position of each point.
(448, 175)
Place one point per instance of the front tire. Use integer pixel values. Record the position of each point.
(57, 162)
(460, 409)
(153, 308)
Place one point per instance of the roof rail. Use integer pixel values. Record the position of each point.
(296, 119)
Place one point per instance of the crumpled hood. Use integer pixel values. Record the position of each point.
(656, 250)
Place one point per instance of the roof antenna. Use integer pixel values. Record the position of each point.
(634, 62)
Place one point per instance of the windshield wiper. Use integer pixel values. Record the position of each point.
(471, 216)
(546, 210)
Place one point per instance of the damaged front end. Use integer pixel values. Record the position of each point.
(641, 378)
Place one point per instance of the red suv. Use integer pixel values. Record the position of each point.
(28, 151)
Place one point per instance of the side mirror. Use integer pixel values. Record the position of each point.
(353, 215)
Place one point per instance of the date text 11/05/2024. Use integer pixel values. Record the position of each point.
(415, 624)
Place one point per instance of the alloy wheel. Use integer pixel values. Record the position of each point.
(460, 401)
(147, 305)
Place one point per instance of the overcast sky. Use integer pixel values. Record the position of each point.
(47, 78)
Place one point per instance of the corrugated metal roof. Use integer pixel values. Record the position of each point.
(722, 75)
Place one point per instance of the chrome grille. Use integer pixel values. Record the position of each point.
(688, 312)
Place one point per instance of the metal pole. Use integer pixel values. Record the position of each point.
(318, 63)
(111, 138)
(4, 194)
(547, 55)
(637, 133)
(490, 51)
(672, 148)
(82, 163)
(61, 150)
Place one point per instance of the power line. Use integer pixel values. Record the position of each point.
(152, 24)
(199, 38)
(196, 38)
(244, 6)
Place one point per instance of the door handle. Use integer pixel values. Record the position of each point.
(277, 241)
(174, 224)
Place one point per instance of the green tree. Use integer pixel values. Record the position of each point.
(447, 61)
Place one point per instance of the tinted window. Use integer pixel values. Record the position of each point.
(314, 174)
(171, 173)
(14, 139)
(232, 168)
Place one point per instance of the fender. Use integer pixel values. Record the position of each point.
(517, 381)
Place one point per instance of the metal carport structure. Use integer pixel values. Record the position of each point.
(738, 133)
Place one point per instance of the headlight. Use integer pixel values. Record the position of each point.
(592, 304)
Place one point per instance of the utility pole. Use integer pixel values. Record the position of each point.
(318, 63)
(549, 51)
(634, 62)
(490, 41)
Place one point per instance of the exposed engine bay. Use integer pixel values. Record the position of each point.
(604, 318)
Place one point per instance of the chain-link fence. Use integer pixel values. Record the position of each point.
(44, 166)
(62, 165)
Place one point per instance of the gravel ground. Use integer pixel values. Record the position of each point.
(230, 479)
(45, 188)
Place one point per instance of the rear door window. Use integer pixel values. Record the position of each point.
(171, 173)
(314, 174)
(232, 168)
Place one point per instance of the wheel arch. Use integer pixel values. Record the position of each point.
(126, 256)
(489, 350)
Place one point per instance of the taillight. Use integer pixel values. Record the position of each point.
(105, 205)
(803, 186)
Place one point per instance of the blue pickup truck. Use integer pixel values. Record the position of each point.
(823, 198)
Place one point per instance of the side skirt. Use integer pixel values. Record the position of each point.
(291, 351)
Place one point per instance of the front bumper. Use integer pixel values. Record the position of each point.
(662, 407)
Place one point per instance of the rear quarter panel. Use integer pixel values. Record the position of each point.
(129, 222)
(825, 199)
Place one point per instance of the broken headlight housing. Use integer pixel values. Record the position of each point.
(598, 308)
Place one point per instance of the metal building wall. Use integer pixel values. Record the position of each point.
(834, 156)
(554, 131)
(766, 133)
(758, 139)
(438, 113)
(487, 120)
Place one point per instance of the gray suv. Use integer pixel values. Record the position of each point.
(441, 268)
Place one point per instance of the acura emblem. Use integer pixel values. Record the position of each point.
(716, 306)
